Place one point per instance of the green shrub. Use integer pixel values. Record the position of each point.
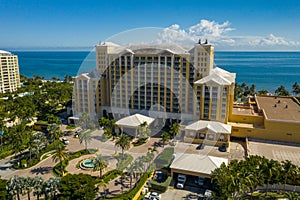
(70, 127)
(110, 175)
(140, 141)
(161, 186)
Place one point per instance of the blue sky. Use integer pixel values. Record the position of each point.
(231, 25)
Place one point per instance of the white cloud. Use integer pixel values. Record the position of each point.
(217, 33)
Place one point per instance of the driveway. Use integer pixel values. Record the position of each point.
(5, 167)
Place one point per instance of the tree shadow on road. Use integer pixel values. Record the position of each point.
(41, 170)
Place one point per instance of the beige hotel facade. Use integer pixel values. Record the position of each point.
(9, 72)
(164, 81)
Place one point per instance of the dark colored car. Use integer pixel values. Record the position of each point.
(223, 148)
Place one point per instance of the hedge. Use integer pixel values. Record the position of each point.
(110, 175)
(140, 141)
(161, 186)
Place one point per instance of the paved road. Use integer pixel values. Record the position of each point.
(5, 167)
(44, 168)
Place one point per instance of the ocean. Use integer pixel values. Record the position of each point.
(267, 70)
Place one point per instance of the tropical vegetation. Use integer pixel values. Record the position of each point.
(241, 178)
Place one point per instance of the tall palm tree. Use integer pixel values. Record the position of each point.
(28, 186)
(53, 131)
(100, 164)
(104, 185)
(174, 130)
(60, 154)
(289, 170)
(130, 171)
(38, 183)
(86, 137)
(84, 120)
(123, 142)
(15, 186)
(50, 187)
(165, 137)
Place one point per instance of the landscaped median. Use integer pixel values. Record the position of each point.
(57, 167)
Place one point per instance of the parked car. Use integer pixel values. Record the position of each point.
(65, 141)
(159, 176)
(208, 194)
(152, 196)
(78, 130)
(222, 148)
(181, 181)
(201, 181)
(200, 146)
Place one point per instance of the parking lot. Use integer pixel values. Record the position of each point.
(275, 150)
(186, 193)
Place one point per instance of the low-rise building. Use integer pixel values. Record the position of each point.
(267, 117)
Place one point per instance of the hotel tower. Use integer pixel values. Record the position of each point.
(164, 81)
(9, 72)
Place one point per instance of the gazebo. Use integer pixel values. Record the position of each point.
(131, 124)
(208, 132)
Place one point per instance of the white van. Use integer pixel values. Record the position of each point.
(181, 181)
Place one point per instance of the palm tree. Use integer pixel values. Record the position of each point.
(289, 170)
(136, 168)
(104, 122)
(50, 187)
(144, 130)
(53, 131)
(271, 170)
(38, 183)
(175, 129)
(28, 186)
(123, 142)
(130, 171)
(103, 184)
(15, 186)
(165, 137)
(86, 137)
(60, 155)
(100, 164)
(83, 120)
(31, 145)
(296, 88)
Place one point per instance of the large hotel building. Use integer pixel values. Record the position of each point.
(9, 72)
(164, 81)
(176, 83)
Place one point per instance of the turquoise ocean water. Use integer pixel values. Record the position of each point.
(267, 70)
